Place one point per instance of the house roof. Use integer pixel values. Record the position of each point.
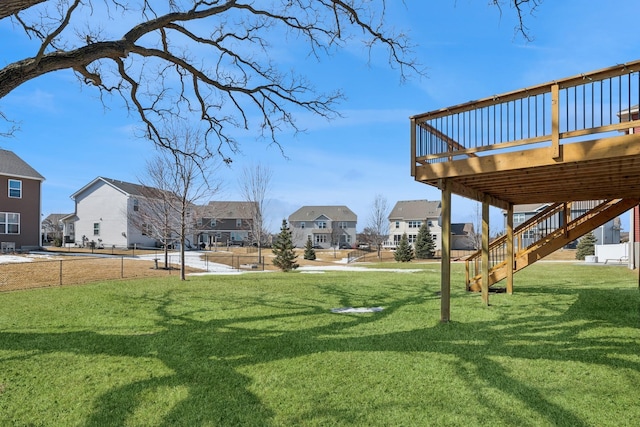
(333, 213)
(534, 208)
(12, 165)
(228, 210)
(462, 229)
(529, 208)
(127, 188)
(624, 115)
(55, 218)
(415, 210)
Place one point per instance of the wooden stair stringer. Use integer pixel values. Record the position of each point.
(557, 239)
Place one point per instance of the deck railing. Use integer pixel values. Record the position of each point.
(556, 217)
(546, 115)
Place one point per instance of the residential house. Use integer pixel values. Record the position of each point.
(55, 226)
(20, 204)
(224, 223)
(328, 226)
(463, 237)
(605, 234)
(407, 216)
(106, 213)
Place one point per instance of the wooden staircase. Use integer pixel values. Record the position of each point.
(555, 227)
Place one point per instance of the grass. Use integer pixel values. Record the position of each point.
(265, 350)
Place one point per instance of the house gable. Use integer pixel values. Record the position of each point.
(104, 209)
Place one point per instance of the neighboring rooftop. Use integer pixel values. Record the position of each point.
(334, 213)
(415, 210)
(12, 165)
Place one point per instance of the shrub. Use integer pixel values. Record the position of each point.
(404, 251)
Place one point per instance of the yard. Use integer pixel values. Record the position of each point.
(266, 350)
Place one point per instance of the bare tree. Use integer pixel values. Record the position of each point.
(378, 225)
(254, 186)
(476, 234)
(185, 180)
(522, 9)
(156, 215)
(205, 60)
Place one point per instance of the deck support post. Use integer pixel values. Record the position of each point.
(510, 252)
(485, 251)
(445, 278)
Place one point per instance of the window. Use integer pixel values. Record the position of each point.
(302, 224)
(136, 205)
(321, 224)
(238, 223)
(415, 224)
(412, 238)
(213, 222)
(321, 238)
(343, 225)
(434, 237)
(9, 223)
(397, 224)
(15, 188)
(96, 228)
(430, 223)
(147, 230)
(518, 217)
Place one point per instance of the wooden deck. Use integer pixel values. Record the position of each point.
(573, 139)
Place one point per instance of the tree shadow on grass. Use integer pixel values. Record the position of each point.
(206, 356)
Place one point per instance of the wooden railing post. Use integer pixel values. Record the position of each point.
(555, 122)
(413, 147)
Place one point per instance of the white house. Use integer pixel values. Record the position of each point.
(103, 214)
(407, 216)
(328, 226)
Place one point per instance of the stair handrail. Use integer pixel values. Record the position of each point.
(546, 214)
(517, 232)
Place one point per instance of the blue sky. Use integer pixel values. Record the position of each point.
(469, 49)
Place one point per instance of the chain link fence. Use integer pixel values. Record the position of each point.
(75, 270)
(81, 269)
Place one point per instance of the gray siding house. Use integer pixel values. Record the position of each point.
(606, 234)
(327, 226)
(224, 223)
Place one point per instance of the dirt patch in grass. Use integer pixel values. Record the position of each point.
(74, 270)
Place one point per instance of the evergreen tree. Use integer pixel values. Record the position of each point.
(404, 251)
(586, 246)
(283, 249)
(425, 246)
(309, 252)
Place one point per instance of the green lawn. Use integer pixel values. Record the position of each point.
(265, 350)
